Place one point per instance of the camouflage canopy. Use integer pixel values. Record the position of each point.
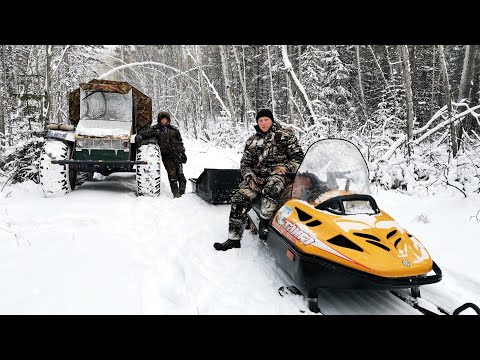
(142, 104)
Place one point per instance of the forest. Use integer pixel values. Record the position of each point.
(413, 110)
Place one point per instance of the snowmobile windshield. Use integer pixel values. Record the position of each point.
(331, 167)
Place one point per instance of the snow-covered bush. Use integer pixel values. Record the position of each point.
(21, 161)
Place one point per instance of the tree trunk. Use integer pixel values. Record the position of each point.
(377, 64)
(470, 123)
(379, 67)
(250, 113)
(432, 100)
(391, 66)
(46, 89)
(360, 84)
(212, 88)
(227, 85)
(2, 97)
(466, 83)
(289, 69)
(289, 99)
(407, 81)
(300, 70)
(2, 121)
(271, 81)
(448, 98)
(203, 117)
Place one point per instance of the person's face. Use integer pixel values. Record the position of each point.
(163, 121)
(264, 123)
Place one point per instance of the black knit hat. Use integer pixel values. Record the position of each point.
(264, 112)
(163, 114)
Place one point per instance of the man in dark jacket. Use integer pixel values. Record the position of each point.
(268, 155)
(172, 150)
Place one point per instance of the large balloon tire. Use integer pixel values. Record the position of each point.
(148, 176)
(56, 179)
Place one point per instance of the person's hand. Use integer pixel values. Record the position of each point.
(279, 170)
(138, 139)
(184, 158)
(253, 183)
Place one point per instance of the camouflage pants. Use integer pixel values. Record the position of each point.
(242, 200)
(177, 179)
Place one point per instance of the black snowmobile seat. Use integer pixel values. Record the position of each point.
(308, 187)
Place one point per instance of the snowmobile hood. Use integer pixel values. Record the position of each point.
(373, 243)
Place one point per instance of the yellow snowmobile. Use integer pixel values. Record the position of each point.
(330, 233)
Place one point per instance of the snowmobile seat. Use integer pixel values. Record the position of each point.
(308, 187)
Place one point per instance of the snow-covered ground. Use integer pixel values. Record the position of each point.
(103, 250)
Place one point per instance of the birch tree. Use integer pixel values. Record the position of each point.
(300, 70)
(360, 84)
(46, 89)
(432, 99)
(289, 98)
(272, 95)
(2, 90)
(227, 85)
(407, 80)
(203, 119)
(289, 70)
(466, 82)
(250, 113)
(448, 99)
(211, 86)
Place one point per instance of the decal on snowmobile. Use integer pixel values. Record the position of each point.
(293, 233)
(298, 234)
(283, 214)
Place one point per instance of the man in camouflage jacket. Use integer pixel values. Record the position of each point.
(172, 150)
(268, 155)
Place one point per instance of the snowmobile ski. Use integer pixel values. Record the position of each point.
(436, 309)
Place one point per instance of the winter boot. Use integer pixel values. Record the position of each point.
(229, 244)
(263, 228)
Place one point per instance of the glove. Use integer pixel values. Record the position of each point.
(184, 159)
(280, 170)
(254, 182)
(138, 139)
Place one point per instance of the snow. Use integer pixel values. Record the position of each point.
(102, 128)
(103, 250)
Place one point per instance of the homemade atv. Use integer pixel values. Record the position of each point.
(105, 117)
